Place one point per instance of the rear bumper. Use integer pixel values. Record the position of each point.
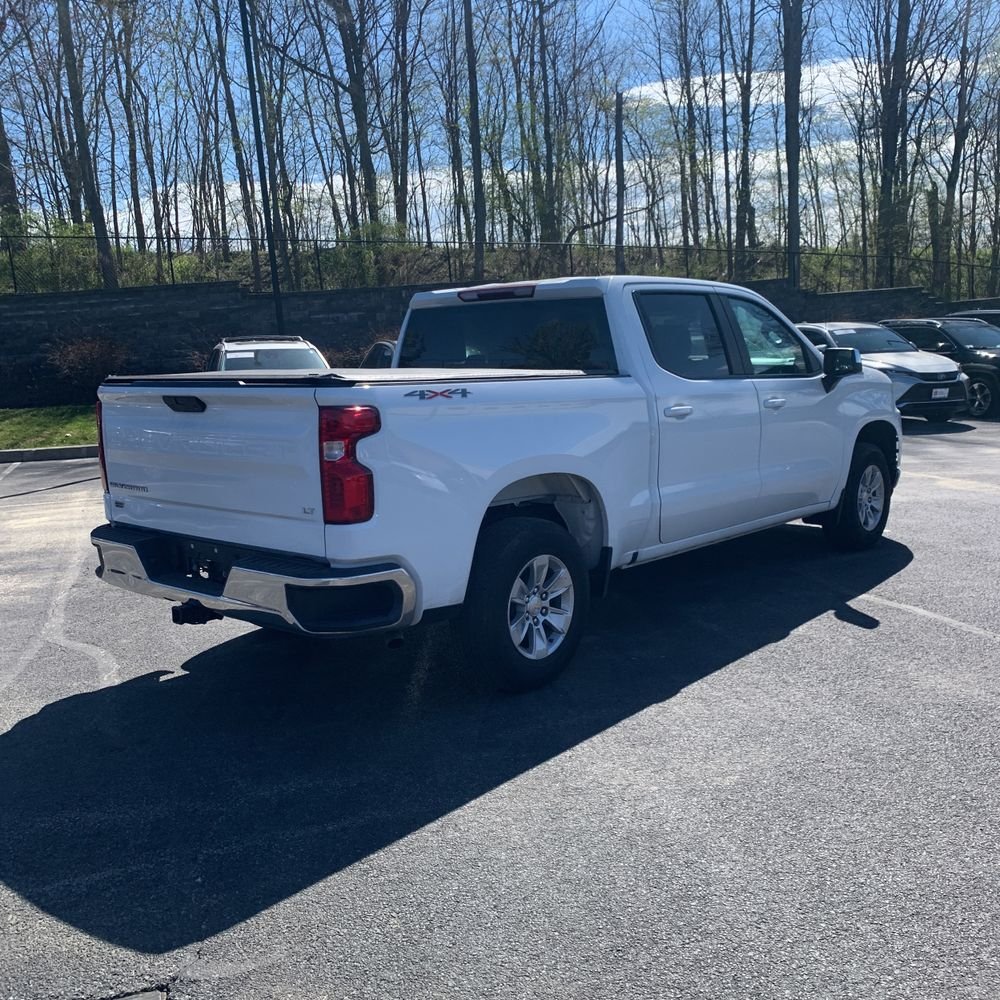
(255, 585)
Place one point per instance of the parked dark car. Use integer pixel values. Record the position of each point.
(973, 343)
(988, 315)
(925, 385)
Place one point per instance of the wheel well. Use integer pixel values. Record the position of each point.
(883, 435)
(569, 501)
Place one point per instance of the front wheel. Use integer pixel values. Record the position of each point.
(526, 603)
(859, 519)
(983, 396)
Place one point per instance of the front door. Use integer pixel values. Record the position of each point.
(708, 416)
(801, 444)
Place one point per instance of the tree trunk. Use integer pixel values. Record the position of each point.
(791, 58)
(890, 217)
(105, 258)
(357, 90)
(745, 234)
(619, 184)
(476, 146)
(246, 192)
(11, 223)
(968, 65)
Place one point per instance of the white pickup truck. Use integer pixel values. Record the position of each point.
(528, 440)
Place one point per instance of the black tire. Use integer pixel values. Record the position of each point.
(846, 529)
(984, 396)
(505, 551)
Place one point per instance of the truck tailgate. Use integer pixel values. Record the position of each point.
(233, 463)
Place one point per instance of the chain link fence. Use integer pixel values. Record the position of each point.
(62, 263)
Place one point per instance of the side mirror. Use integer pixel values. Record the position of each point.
(839, 362)
(944, 348)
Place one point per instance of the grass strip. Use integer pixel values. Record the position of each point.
(47, 427)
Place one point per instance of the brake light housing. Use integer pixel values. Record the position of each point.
(100, 447)
(348, 486)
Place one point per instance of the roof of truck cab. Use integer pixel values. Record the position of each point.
(557, 288)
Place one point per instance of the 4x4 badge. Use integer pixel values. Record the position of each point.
(439, 393)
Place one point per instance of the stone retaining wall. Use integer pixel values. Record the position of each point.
(171, 328)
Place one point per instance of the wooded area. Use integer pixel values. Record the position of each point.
(854, 144)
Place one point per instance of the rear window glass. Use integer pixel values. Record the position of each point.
(537, 334)
(273, 357)
(871, 339)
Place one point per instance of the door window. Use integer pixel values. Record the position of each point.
(683, 334)
(773, 348)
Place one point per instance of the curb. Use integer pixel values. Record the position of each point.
(49, 454)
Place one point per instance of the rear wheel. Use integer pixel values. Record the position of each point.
(859, 519)
(527, 600)
(983, 396)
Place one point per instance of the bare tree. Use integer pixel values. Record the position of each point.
(476, 146)
(791, 65)
(95, 209)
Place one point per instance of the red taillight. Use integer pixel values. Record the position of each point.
(100, 448)
(348, 487)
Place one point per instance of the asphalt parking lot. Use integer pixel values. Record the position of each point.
(771, 772)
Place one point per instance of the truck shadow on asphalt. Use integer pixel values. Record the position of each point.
(160, 811)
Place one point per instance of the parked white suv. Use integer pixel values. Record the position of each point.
(250, 353)
(925, 385)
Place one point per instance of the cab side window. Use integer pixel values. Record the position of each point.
(683, 334)
(774, 350)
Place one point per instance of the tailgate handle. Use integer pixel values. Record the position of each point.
(185, 404)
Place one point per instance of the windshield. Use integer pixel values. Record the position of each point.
(871, 339)
(976, 336)
(273, 357)
(540, 334)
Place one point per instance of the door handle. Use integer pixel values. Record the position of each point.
(775, 402)
(678, 412)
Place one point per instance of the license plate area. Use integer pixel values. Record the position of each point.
(941, 393)
(201, 562)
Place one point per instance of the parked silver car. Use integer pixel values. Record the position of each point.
(926, 385)
(248, 353)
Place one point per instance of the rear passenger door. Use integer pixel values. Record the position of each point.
(708, 416)
(801, 437)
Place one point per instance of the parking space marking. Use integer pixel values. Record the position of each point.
(10, 468)
(924, 613)
(957, 484)
(52, 628)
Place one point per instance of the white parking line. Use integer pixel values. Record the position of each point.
(954, 483)
(10, 468)
(924, 613)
